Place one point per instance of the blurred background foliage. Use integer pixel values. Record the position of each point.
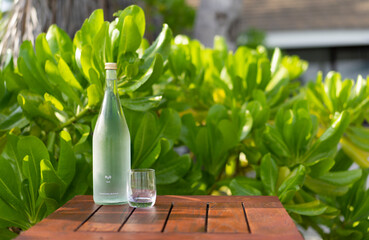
(209, 120)
(25, 19)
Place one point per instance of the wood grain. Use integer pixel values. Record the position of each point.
(80, 218)
(270, 221)
(225, 217)
(108, 218)
(147, 219)
(155, 236)
(249, 201)
(187, 217)
(68, 217)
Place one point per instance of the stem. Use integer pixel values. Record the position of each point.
(75, 118)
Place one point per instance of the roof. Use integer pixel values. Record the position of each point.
(307, 23)
(305, 14)
(274, 15)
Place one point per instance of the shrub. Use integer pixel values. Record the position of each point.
(248, 126)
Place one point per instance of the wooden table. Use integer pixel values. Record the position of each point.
(172, 217)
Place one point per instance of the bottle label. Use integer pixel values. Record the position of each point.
(107, 178)
(109, 193)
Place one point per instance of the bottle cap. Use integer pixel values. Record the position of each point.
(111, 66)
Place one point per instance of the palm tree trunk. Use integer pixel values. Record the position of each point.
(28, 18)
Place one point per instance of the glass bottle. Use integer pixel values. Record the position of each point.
(111, 147)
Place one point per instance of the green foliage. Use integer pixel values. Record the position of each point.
(176, 13)
(251, 38)
(333, 96)
(33, 184)
(243, 121)
(56, 90)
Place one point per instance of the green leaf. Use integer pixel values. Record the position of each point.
(260, 113)
(274, 142)
(137, 15)
(243, 188)
(49, 175)
(329, 140)
(342, 178)
(294, 65)
(349, 234)
(276, 60)
(141, 103)
(269, 174)
(6, 234)
(50, 193)
(65, 87)
(228, 131)
(345, 92)
(80, 182)
(180, 187)
(325, 188)
(9, 186)
(144, 139)
(89, 66)
(95, 21)
(11, 216)
(130, 36)
(151, 130)
(93, 95)
(321, 167)
(359, 136)
(251, 77)
(43, 51)
(67, 75)
(152, 157)
(161, 45)
(189, 132)
(36, 108)
(67, 159)
(147, 79)
(15, 119)
(33, 75)
(291, 184)
(170, 124)
(171, 167)
(89, 29)
(243, 119)
(220, 45)
(84, 130)
(32, 150)
(264, 73)
(314, 208)
(11, 154)
(60, 42)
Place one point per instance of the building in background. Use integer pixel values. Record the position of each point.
(330, 34)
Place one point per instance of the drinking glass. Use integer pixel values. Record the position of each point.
(142, 188)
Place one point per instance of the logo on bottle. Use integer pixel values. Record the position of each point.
(107, 178)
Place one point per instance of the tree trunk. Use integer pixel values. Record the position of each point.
(218, 17)
(28, 18)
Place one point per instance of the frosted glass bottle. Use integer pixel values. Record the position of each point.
(111, 147)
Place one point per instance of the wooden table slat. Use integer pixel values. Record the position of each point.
(227, 217)
(156, 236)
(108, 218)
(147, 219)
(180, 217)
(187, 217)
(270, 221)
(68, 217)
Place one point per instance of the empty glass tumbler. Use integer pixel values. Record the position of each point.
(142, 188)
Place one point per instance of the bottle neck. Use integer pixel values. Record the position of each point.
(111, 80)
